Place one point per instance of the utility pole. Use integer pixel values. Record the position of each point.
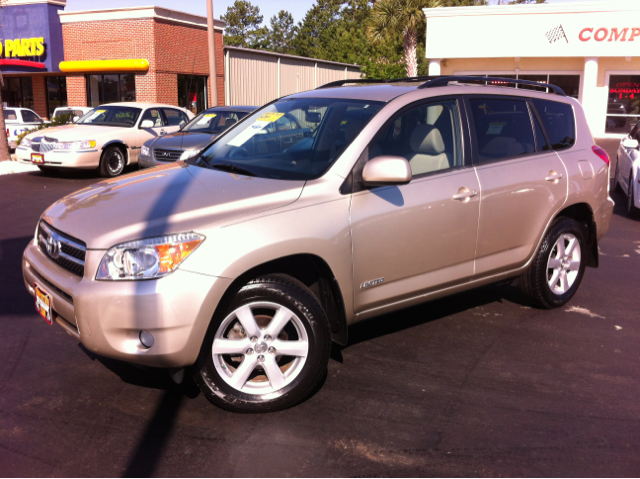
(213, 78)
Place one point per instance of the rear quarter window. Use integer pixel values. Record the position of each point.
(559, 121)
(10, 115)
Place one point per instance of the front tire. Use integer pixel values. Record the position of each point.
(632, 211)
(267, 350)
(558, 267)
(112, 162)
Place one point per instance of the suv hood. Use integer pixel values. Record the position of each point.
(175, 198)
(183, 141)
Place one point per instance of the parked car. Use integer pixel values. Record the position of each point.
(109, 137)
(74, 112)
(19, 120)
(193, 137)
(245, 262)
(626, 177)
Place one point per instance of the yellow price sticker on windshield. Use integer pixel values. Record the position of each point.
(210, 115)
(100, 111)
(270, 117)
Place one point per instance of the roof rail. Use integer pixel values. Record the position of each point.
(445, 80)
(368, 80)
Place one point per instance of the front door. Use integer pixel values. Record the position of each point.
(420, 237)
(523, 182)
(159, 128)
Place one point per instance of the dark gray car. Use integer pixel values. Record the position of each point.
(192, 137)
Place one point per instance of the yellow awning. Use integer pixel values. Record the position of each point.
(138, 65)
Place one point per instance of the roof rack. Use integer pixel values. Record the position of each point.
(367, 80)
(435, 81)
(445, 80)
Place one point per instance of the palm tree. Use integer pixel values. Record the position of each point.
(4, 143)
(390, 18)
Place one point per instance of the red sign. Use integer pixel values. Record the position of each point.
(610, 35)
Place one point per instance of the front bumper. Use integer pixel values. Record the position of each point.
(107, 316)
(147, 162)
(88, 159)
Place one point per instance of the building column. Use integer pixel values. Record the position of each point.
(589, 95)
(76, 91)
(434, 67)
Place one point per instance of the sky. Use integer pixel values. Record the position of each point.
(268, 8)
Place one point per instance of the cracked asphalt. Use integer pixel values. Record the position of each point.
(477, 384)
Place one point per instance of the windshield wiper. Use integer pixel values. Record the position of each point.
(232, 169)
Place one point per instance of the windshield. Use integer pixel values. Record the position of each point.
(122, 116)
(214, 122)
(293, 139)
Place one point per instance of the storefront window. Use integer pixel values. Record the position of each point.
(102, 89)
(623, 106)
(18, 92)
(56, 93)
(192, 92)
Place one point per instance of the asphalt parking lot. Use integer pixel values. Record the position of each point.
(478, 384)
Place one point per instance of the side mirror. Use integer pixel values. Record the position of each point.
(182, 123)
(629, 143)
(387, 170)
(147, 124)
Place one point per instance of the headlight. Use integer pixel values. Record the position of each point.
(147, 258)
(189, 154)
(25, 143)
(75, 145)
(144, 151)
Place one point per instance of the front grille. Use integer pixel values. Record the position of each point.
(166, 155)
(43, 144)
(65, 251)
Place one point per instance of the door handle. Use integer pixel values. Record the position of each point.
(465, 194)
(554, 177)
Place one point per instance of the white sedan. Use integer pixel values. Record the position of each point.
(627, 166)
(109, 137)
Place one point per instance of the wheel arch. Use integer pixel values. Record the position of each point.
(119, 143)
(583, 213)
(316, 274)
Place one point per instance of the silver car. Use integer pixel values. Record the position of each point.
(319, 210)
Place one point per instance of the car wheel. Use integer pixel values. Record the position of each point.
(558, 267)
(267, 349)
(112, 162)
(632, 211)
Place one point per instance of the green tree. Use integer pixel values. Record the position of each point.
(243, 25)
(4, 142)
(282, 32)
(317, 28)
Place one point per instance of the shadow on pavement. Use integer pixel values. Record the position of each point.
(14, 299)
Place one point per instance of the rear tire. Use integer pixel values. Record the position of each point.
(240, 368)
(558, 267)
(112, 162)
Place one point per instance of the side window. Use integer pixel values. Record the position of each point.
(559, 121)
(154, 115)
(174, 117)
(503, 128)
(30, 117)
(428, 136)
(10, 115)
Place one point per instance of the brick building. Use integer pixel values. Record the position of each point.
(88, 58)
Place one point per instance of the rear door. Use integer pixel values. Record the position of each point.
(411, 239)
(523, 182)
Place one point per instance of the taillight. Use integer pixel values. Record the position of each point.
(601, 153)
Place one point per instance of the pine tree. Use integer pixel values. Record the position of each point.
(243, 25)
(282, 32)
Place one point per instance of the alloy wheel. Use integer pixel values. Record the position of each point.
(260, 348)
(563, 265)
(115, 162)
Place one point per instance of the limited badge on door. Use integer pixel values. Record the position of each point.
(37, 158)
(43, 303)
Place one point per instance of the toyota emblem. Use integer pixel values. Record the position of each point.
(53, 246)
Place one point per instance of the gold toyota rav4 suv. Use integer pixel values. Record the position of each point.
(321, 209)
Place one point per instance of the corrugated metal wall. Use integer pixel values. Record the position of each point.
(254, 77)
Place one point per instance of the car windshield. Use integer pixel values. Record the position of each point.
(122, 116)
(292, 139)
(214, 122)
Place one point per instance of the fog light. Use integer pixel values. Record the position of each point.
(146, 339)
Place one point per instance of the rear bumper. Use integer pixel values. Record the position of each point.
(107, 316)
(602, 217)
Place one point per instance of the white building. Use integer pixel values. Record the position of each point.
(591, 50)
